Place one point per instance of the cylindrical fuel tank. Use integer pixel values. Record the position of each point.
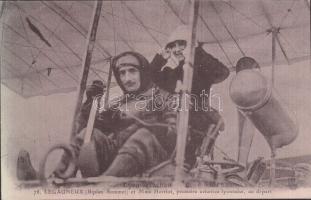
(254, 96)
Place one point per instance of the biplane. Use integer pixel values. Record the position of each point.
(51, 47)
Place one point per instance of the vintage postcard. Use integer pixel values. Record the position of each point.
(155, 99)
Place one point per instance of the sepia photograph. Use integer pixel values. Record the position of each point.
(149, 99)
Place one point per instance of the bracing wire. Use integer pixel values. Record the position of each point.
(79, 29)
(114, 31)
(214, 36)
(142, 24)
(55, 29)
(218, 42)
(182, 7)
(74, 24)
(227, 29)
(32, 55)
(126, 42)
(30, 66)
(52, 34)
(69, 22)
(15, 72)
(58, 38)
(3, 9)
(129, 35)
(245, 16)
(34, 47)
(176, 13)
(69, 74)
(288, 42)
(128, 20)
(55, 35)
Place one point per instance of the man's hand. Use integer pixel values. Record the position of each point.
(97, 88)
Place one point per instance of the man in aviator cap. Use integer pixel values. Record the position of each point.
(132, 134)
(138, 146)
(137, 142)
